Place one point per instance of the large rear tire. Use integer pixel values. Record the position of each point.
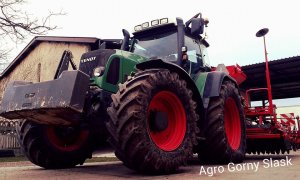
(153, 122)
(54, 147)
(225, 133)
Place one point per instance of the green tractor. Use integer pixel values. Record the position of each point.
(156, 100)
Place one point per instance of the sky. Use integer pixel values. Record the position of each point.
(231, 30)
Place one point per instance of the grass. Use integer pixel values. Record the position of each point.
(94, 159)
(13, 159)
(102, 159)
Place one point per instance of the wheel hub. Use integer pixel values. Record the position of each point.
(66, 139)
(158, 121)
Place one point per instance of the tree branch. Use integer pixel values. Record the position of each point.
(16, 24)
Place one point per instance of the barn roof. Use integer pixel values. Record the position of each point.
(285, 78)
(92, 41)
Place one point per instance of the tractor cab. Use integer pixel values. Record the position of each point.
(172, 41)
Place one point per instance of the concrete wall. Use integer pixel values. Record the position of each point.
(42, 62)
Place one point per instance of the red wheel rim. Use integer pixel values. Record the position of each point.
(232, 123)
(65, 143)
(170, 138)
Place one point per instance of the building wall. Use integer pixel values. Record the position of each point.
(39, 65)
(42, 62)
(289, 109)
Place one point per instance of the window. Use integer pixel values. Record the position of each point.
(163, 46)
(194, 54)
(205, 57)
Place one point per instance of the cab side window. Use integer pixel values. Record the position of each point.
(194, 53)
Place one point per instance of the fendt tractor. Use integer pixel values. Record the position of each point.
(155, 99)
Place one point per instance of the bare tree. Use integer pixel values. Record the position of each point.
(16, 24)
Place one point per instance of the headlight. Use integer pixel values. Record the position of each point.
(98, 71)
(164, 21)
(145, 25)
(155, 22)
(138, 28)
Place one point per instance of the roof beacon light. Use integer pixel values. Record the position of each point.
(206, 21)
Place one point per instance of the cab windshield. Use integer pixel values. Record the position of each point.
(163, 46)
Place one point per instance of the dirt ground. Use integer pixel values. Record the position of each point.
(281, 167)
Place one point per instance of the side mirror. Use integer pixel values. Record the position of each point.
(197, 26)
(125, 43)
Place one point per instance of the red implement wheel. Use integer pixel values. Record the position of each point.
(153, 122)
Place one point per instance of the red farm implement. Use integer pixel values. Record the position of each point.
(292, 125)
(266, 132)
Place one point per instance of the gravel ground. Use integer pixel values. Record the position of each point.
(254, 167)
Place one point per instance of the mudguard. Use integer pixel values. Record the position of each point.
(213, 83)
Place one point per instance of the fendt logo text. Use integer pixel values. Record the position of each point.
(88, 59)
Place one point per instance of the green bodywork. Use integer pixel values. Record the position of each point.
(128, 62)
(200, 83)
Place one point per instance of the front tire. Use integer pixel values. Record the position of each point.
(153, 122)
(54, 147)
(225, 133)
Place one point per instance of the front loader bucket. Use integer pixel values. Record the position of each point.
(56, 102)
